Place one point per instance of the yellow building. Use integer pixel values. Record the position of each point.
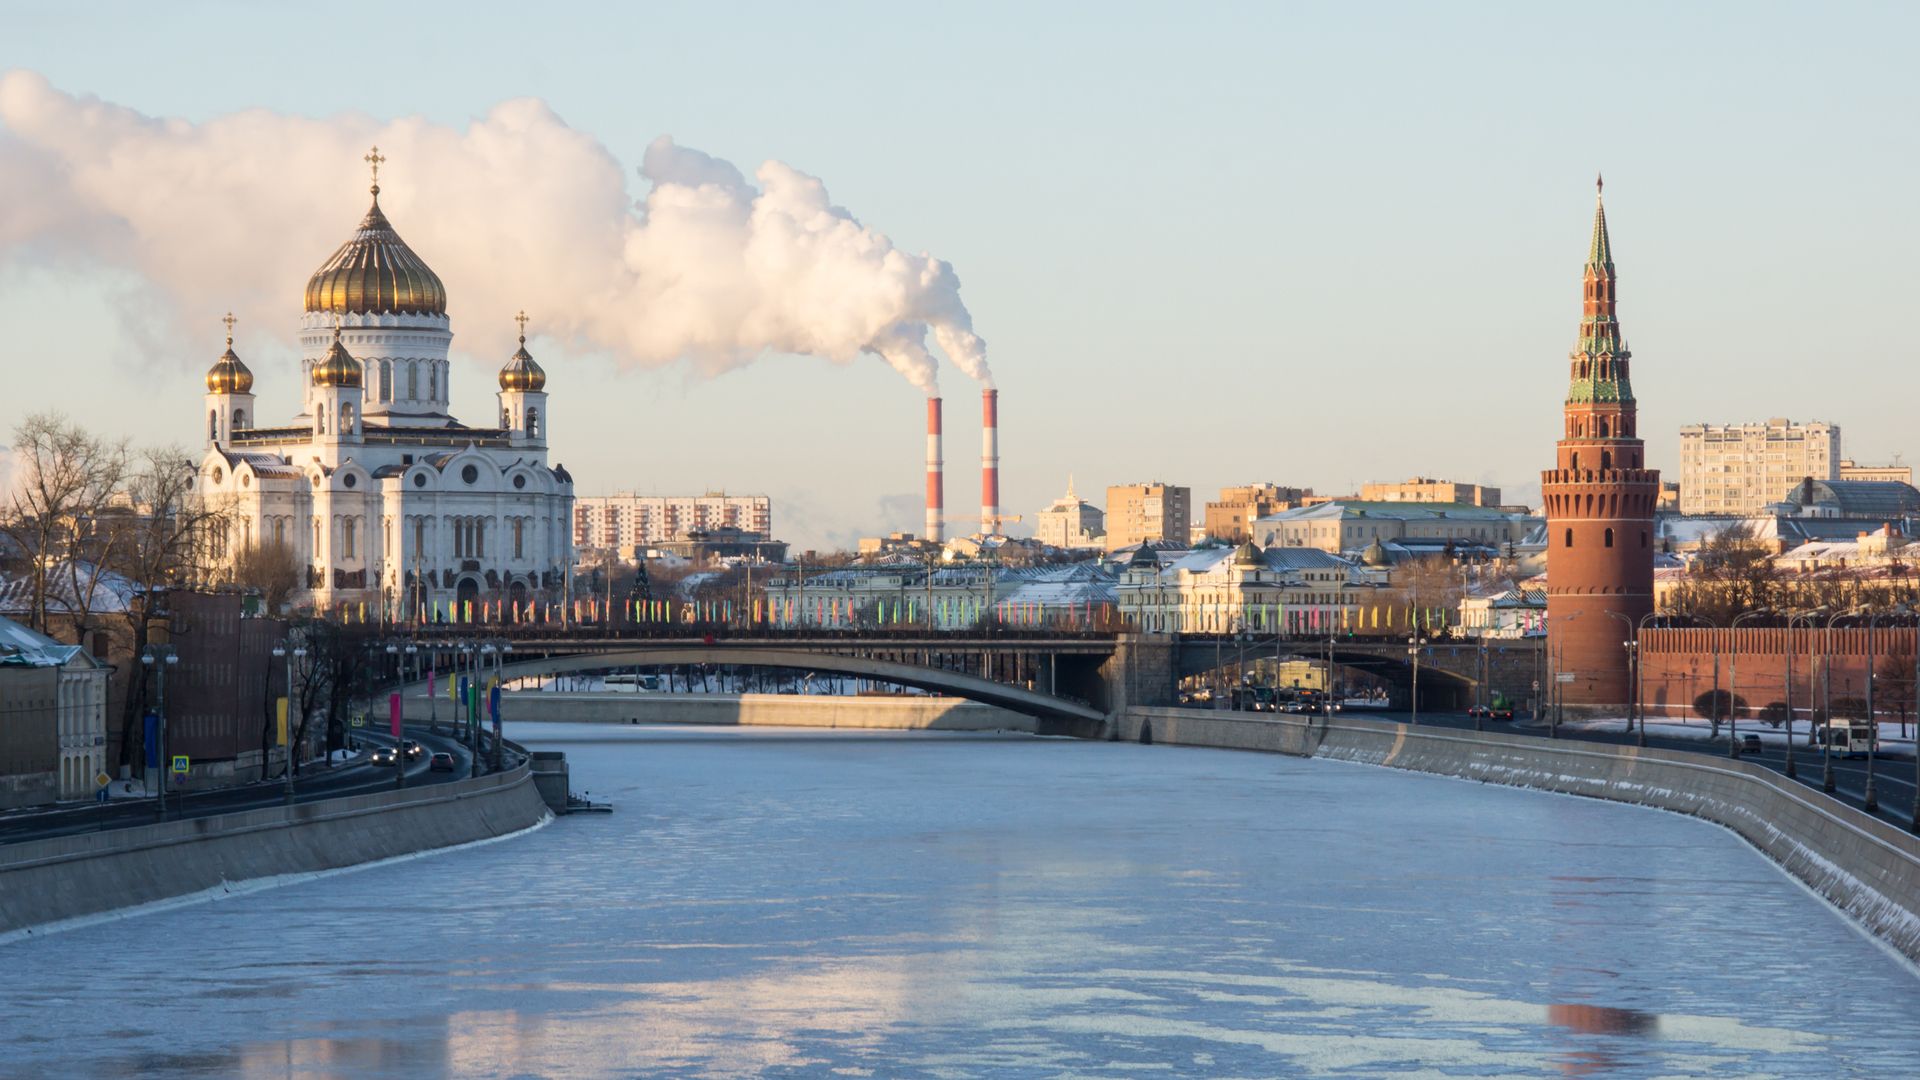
(1137, 513)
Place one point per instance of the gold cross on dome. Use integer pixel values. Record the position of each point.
(375, 159)
(229, 320)
(522, 320)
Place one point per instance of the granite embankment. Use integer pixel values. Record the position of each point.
(1863, 866)
(75, 877)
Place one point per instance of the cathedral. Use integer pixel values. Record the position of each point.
(395, 509)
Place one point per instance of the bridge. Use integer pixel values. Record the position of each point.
(1064, 677)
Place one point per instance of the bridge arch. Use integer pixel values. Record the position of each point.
(1042, 706)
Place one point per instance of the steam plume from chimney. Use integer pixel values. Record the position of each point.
(513, 210)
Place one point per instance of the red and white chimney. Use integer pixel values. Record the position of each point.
(990, 462)
(936, 499)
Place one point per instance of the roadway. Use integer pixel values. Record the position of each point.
(315, 781)
(1893, 776)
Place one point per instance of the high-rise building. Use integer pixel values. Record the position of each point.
(1423, 489)
(1231, 516)
(1740, 468)
(618, 522)
(1137, 513)
(1599, 499)
(1071, 522)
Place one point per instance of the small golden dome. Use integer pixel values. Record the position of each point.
(338, 368)
(520, 372)
(376, 272)
(228, 375)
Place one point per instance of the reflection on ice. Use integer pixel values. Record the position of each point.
(939, 906)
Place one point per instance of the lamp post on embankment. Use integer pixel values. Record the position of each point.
(1733, 681)
(160, 658)
(1792, 618)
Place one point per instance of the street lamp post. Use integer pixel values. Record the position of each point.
(160, 658)
(1629, 646)
(400, 739)
(473, 704)
(1807, 617)
(1413, 696)
(1873, 720)
(290, 655)
(1826, 692)
(1733, 683)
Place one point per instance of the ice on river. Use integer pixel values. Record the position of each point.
(770, 902)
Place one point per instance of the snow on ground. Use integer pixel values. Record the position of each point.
(1893, 743)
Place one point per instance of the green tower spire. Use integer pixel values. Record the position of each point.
(1600, 253)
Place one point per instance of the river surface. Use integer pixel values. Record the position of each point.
(785, 903)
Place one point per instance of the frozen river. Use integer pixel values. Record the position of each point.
(820, 904)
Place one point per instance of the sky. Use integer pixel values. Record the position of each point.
(1318, 244)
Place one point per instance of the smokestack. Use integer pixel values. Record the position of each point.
(936, 499)
(990, 462)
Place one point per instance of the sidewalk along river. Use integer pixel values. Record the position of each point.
(783, 902)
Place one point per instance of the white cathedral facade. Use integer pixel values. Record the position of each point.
(392, 506)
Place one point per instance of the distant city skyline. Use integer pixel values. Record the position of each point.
(1305, 245)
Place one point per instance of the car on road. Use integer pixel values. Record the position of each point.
(441, 762)
(1750, 744)
(386, 755)
(1502, 713)
(414, 749)
(1475, 711)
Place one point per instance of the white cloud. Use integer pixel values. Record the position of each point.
(516, 210)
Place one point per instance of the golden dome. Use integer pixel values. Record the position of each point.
(228, 375)
(376, 273)
(520, 372)
(339, 368)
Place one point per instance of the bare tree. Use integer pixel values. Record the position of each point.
(66, 482)
(1431, 587)
(270, 568)
(1733, 572)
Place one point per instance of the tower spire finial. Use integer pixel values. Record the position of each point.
(1599, 185)
(522, 320)
(375, 159)
(229, 320)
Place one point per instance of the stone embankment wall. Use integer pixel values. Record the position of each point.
(71, 877)
(911, 712)
(1863, 866)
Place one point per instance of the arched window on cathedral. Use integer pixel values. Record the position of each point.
(280, 532)
(419, 539)
(519, 538)
(346, 418)
(1606, 459)
(239, 419)
(533, 423)
(386, 380)
(1603, 427)
(213, 426)
(433, 381)
(320, 419)
(480, 539)
(1569, 542)
(1609, 537)
(506, 420)
(347, 537)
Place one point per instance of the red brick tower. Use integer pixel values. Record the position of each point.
(1599, 500)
